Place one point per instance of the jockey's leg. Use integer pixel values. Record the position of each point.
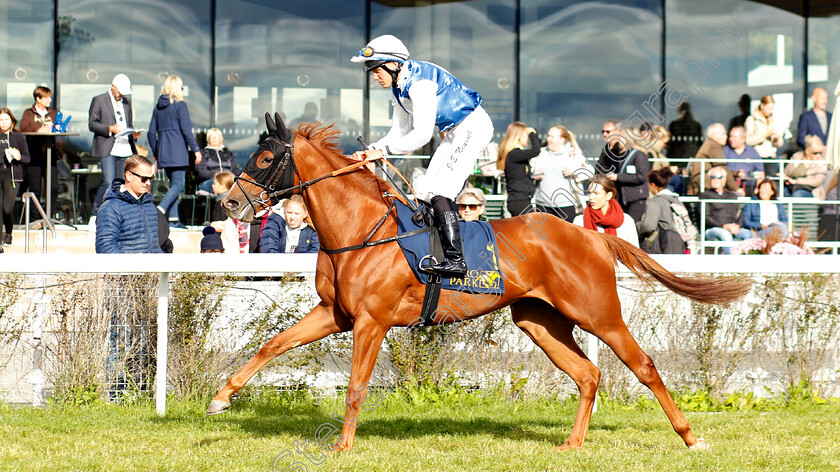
(446, 221)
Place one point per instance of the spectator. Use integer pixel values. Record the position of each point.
(685, 134)
(604, 214)
(631, 177)
(471, 204)
(14, 152)
(711, 150)
(814, 122)
(561, 167)
(765, 216)
(745, 173)
(222, 182)
(744, 106)
(214, 158)
(803, 177)
(658, 212)
(661, 138)
(170, 137)
(110, 113)
(607, 161)
(762, 134)
(39, 119)
(211, 242)
(829, 228)
(128, 221)
(514, 159)
(294, 234)
(723, 220)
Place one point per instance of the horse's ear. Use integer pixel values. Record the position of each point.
(285, 133)
(269, 125)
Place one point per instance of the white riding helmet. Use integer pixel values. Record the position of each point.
(380, 50)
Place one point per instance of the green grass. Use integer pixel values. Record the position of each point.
(464, 432)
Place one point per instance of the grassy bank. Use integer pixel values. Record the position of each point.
(464, 432)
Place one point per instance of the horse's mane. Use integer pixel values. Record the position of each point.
(324, 136)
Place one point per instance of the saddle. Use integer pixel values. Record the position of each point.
(420, 250)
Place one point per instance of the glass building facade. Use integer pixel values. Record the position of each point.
(544, 62)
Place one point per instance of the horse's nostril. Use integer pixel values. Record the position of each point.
(232, 204)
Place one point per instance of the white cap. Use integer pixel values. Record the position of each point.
(122, 83)
(380, 50)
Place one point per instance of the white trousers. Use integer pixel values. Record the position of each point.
(454, 159)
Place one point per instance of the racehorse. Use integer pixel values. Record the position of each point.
(557, 276)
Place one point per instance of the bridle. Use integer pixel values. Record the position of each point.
(271, 175)
(277, 169)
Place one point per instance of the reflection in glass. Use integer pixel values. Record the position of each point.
(277, 57)
(583, 63)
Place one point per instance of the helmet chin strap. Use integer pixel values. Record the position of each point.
(393, 73)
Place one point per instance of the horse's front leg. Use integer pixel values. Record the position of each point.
(367, 340)
(318, 323)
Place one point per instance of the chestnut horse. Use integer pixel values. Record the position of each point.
(557, 276)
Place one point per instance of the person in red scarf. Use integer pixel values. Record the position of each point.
(604, 214)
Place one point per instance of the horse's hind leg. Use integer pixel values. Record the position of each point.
(553, 333)
(318, 323)
(619, 339)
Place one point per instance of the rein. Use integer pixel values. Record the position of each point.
(278, 168)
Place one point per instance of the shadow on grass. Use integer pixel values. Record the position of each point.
(266, 423)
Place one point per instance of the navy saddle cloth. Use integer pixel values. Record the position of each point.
(480, 251)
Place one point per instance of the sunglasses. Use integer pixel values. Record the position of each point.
(716, 177)
(470, 207)
(144, 179)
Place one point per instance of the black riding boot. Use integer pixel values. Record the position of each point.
(446, 221)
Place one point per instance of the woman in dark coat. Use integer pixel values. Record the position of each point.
(13, 153)
(171, 138)
(514, 159)
(215, 158)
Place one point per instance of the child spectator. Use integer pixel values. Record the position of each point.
(294, 234)
(211, 242)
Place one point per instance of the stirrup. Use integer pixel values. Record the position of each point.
(427, 269)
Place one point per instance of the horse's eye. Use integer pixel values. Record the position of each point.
(265, 159)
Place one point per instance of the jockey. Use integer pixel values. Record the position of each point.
(433, 97)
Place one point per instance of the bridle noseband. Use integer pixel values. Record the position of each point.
(271, 174)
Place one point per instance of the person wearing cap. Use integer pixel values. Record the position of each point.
(212, 241)
(110, 113)
(430, 96)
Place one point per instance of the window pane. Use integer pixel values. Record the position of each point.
(582, 63)
(148, 41)
(26, 51)
(823, 56)
(715, 52)
(289, 58)
(474, 40)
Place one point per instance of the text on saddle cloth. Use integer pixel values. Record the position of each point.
(480, 251)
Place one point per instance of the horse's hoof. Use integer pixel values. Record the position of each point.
(701, 445)
(217, 406)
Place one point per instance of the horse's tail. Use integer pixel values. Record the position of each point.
(717, 291)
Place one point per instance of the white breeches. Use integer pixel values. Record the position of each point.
(454, 159)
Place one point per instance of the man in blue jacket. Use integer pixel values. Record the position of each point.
(127, 222)
(815, 121)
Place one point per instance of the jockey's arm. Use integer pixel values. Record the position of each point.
(399, 139)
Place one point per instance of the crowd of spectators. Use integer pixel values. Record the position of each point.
(123, 214)
(721, 165)
(631, 180)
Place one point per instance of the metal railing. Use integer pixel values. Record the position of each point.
(28, 199)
